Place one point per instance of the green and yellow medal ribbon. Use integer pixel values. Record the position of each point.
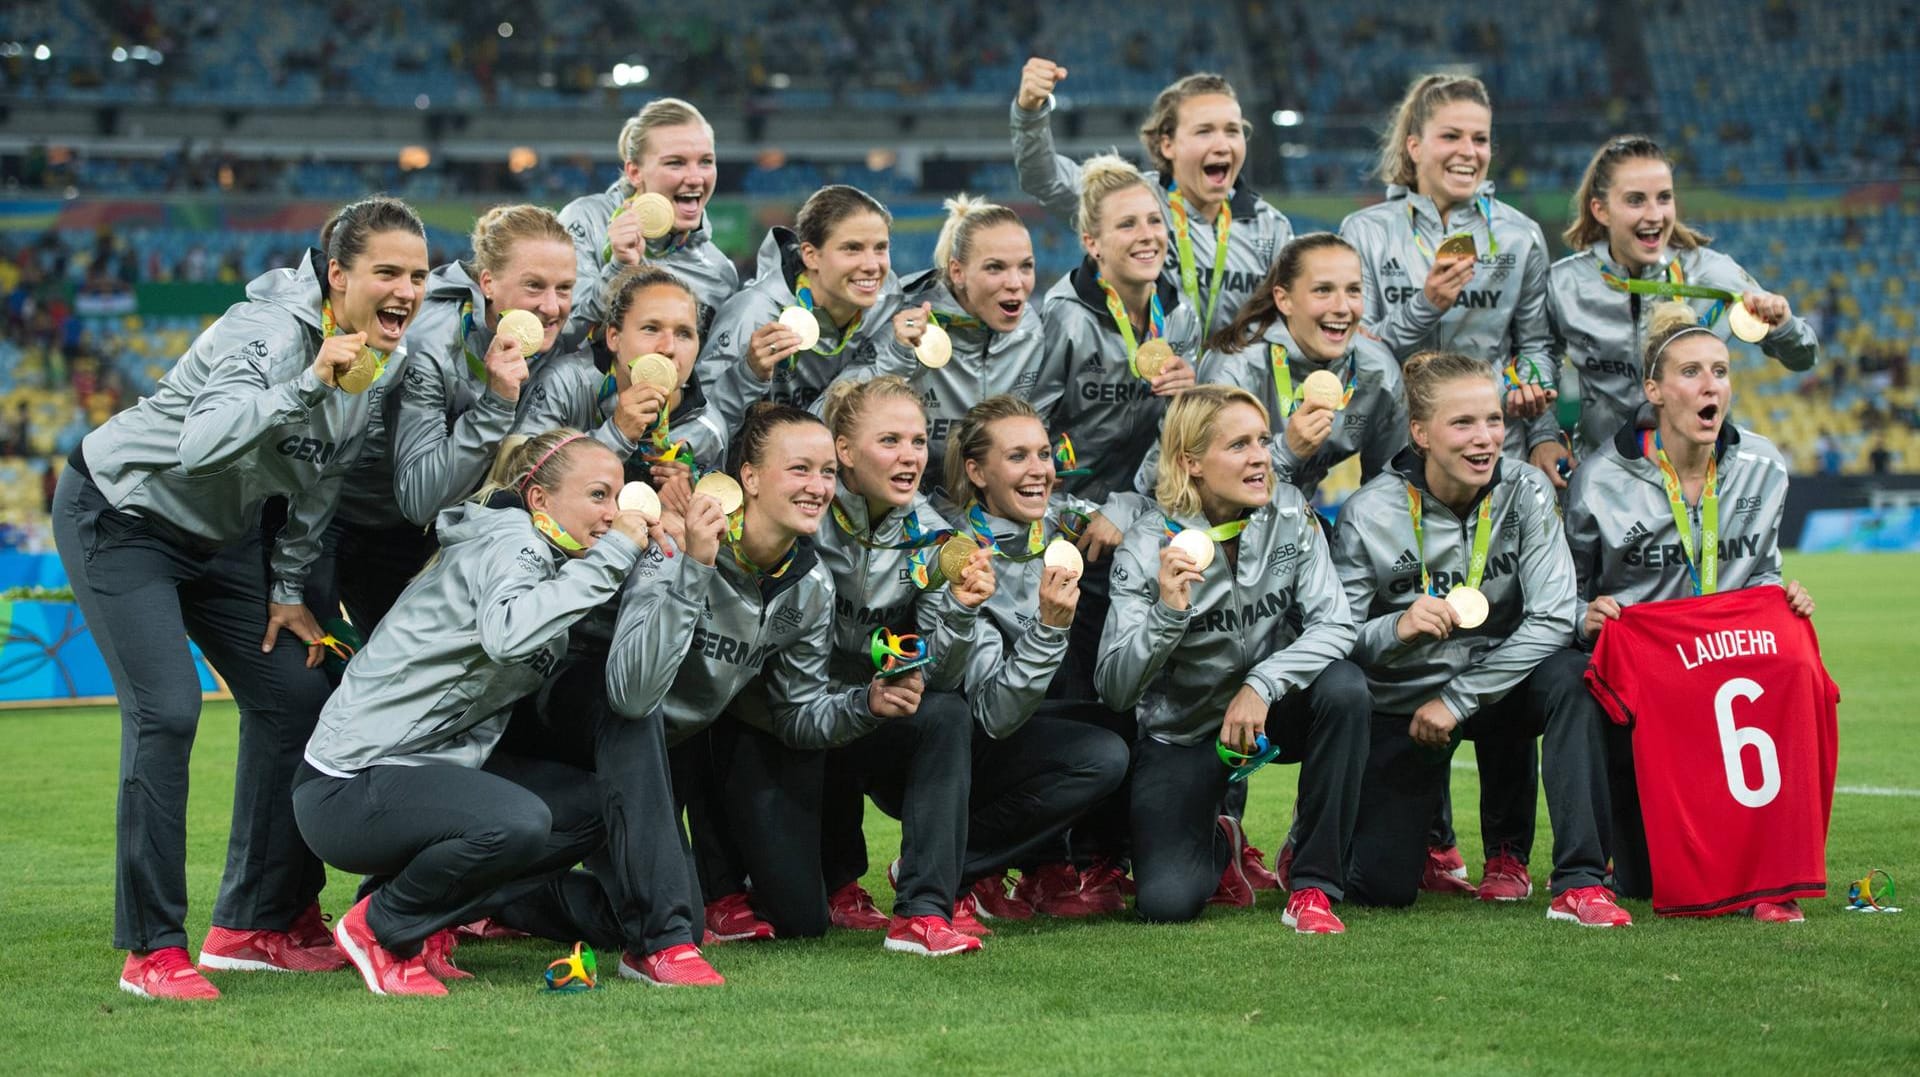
(1065, 461)
(917, 538)
(1484, 201)
(1477, 554)
(1703, 566)
(328, 328)
(1289, 396)
(1183, 245)
(1675, 286)
(1156, 320)
(1225, 532)
(803, 294)
(983, 533)
(735, 530)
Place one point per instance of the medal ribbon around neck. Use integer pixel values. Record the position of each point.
(1484, 201)
(735, 530)
(1156, 320)
(656, 444)
(1477, 556)
(1675, 286)
(1066, 463)
(1290, 396)
(328, 328)
(918, 538)
(1189, 272)
(1703, 566)
(983, 533)
(803, 294)
(1225, 532)
(955, 321)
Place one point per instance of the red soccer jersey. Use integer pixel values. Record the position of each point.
(1735, 739)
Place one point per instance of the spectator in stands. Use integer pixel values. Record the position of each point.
(1826, 451)
(16, 437)
(1880, 459)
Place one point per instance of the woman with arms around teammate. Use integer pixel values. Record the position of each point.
(158, 523)
(744, 624)
(666, 149)
(1487, 300)
(1630, 249)
(1658, 493)
(465, 376)
(402, 779)
(1458, 575)
(981, 292)
(1221, 234)
(1220, 643)
(1045, 755)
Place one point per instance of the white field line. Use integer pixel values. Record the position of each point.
(1844, 790)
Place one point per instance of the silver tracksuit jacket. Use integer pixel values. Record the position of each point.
(695, 259)
(478, 629)
(1621, 527)
(1528, 584)
(1254, 238)
(1272, 622)
(1016, 656)
(1603, 332)
(238, 419)
(695, 641)
(1500, 316)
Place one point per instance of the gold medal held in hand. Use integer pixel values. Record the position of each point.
(639, 497)
(654, 212)
(361, 375)
(722, 488)
(935, 347)
(1745, 324)
(656, 370)
(1456, 247)
(1470, 604)
(954, 555)
(1197, 545)
(1323, 386)
(1062, 554)
(1152, 357)
(524, 327)
(804, 324)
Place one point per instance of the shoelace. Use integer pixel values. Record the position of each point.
(170, 963)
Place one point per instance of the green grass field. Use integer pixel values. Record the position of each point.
(1451, 985)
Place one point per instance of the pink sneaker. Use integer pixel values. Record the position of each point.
(1235, 889)
(675, 966)
(966, 917)
(1589, 906)
(994, 899)
(1446, 873)
(732, 919)
(852, 908)
(384, 973)
(165, 973)
(1310, 913)
(1505, 879)
(232, 950)
(1253, 863)
(1057, 890)
(1779, 912)
(928, 936)
(438, 952)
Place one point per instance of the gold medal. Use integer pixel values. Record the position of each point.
(935, 347)
(523, 326)
(1064, 555)
(722, 488)
(654, 212)
(1745, 324)
(365, 368)
(1470, 604)
(954, 555)
(656, 370)
(1323, 386)
(639, 497)
(1196, 545)
(1152, 357)
(1456, 247)
(803, 323)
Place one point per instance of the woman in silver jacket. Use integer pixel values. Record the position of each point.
(1636, 516)
(1631, 250)
(401, 779)
(1225, 639)
(1458, 575)
(158, 523)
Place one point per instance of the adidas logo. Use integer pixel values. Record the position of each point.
(1407, 562)
(930, 399)
(1094, 362)
(1638, 532)
(1392, 266)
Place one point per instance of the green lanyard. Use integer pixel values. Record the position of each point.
(1289, 397)
(803, 291)
(917, 539)
(1036, 536)
(1190, 273)
(1703, 567)
(1156, 320)
(328, 328)
(1225, 532)
(1675, 286)
(1485, 202)
(1477, 558)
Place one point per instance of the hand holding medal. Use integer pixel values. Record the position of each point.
(1060, 583)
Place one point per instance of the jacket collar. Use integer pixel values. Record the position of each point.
(1086, 288)
(1243, 200)
(1410, 465)
(1626, 440)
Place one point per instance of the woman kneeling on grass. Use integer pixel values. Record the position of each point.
(401, 779)
(1220, 648)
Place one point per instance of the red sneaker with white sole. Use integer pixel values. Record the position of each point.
(675, 966)
(1253, 863)
(1446, 873)
(1588, 906)
(1505, 878)
(928, 936)
(1310, 913)
(1235, 889)
(311, 931)
(438, 952)
(233, 950)
(994, 899)
(1779, 912)
(732, 919)
(384, 973)
(852, 908)
(1057, 890)
(165, 974)
(966, 917)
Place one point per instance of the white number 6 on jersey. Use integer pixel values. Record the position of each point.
(1733, 740)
